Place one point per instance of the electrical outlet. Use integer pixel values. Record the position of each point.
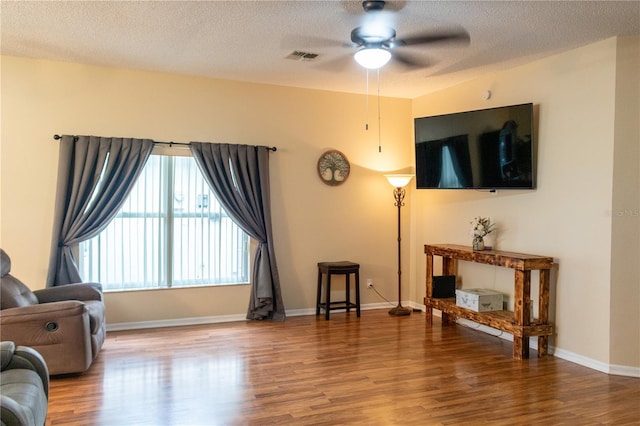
(369, 283)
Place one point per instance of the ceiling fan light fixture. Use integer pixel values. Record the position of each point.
(372, 57)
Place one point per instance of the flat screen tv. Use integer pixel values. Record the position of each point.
(483, 149)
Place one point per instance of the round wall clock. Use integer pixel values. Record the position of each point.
(333, 167)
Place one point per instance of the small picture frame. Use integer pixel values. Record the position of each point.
(333, 167)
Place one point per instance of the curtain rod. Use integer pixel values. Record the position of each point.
(270, 148)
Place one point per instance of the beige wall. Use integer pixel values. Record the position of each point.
(311, 221)
(625, 232)
(569, 215)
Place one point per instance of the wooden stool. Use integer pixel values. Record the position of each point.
(338, 268)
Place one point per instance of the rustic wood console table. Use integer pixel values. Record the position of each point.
(518, 322)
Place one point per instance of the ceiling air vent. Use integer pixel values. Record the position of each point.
(298, 55)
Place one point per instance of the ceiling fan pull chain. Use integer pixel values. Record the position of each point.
(379, 133)
(366, 126)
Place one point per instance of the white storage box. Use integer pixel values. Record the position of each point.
(479, 299)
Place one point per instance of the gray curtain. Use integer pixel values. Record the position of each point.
(95, 175)
(239, 177)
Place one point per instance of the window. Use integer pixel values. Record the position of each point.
(170, 232)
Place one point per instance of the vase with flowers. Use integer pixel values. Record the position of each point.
(480, 226)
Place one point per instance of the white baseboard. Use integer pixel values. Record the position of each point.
(618, 370)
(624, 370)
(312, 311)
(122, 326)
(175, 322)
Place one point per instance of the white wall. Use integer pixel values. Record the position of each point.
(568, 216)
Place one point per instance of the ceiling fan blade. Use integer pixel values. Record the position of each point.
(338, 64)
(459, 36)
(408, 61)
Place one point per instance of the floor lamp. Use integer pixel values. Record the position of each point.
(399, 182)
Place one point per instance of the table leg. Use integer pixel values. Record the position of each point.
(348, 291)
(429, 292)
(327, 298)
(543, 310)
(319, 294)
(522, 312)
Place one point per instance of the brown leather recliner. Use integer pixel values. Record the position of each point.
(24, 386)
(66, 324)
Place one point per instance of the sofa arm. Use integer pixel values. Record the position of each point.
(53, 310)
(13, 413)
(6, 353)
(80, 291)
(25, 358)
(59, 331)
(38, 324)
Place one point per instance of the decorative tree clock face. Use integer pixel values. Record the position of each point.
(333, 167)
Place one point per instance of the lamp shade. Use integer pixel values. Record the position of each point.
(372, 57)
(399, 181)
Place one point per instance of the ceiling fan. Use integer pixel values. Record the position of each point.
(375, 39)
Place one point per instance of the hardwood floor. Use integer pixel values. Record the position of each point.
(373, 370)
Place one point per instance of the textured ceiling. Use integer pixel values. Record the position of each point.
(249, 40)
